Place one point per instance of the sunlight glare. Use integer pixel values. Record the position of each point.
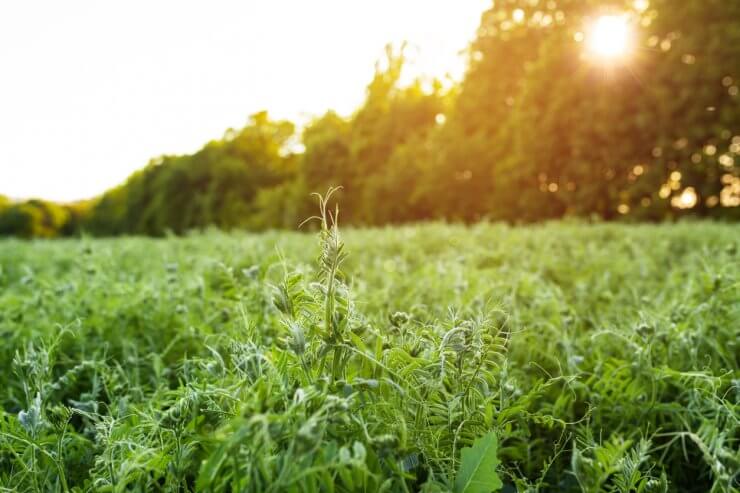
(686, 200)
(609, 37)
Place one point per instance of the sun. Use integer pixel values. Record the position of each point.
(609, 37)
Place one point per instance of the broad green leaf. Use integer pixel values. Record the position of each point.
(477, 472)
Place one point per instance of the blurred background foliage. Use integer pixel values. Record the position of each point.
(534, 131)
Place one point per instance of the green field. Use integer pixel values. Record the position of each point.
(582, 357)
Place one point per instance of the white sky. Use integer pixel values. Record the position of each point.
(90, 90)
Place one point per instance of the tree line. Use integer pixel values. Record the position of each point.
(536, 130)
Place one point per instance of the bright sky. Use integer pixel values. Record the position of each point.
(90, 90)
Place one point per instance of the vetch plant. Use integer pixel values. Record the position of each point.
(435, 358)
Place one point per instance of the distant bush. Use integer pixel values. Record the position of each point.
(35, 218)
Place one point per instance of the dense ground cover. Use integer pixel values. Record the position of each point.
(583, 357)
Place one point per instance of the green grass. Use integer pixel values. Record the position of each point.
(576, 357)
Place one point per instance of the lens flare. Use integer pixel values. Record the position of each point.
(609, 37)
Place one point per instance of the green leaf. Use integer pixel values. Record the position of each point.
(211, 467)
(477, 472)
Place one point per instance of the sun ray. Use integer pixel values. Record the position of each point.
(609, 38)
